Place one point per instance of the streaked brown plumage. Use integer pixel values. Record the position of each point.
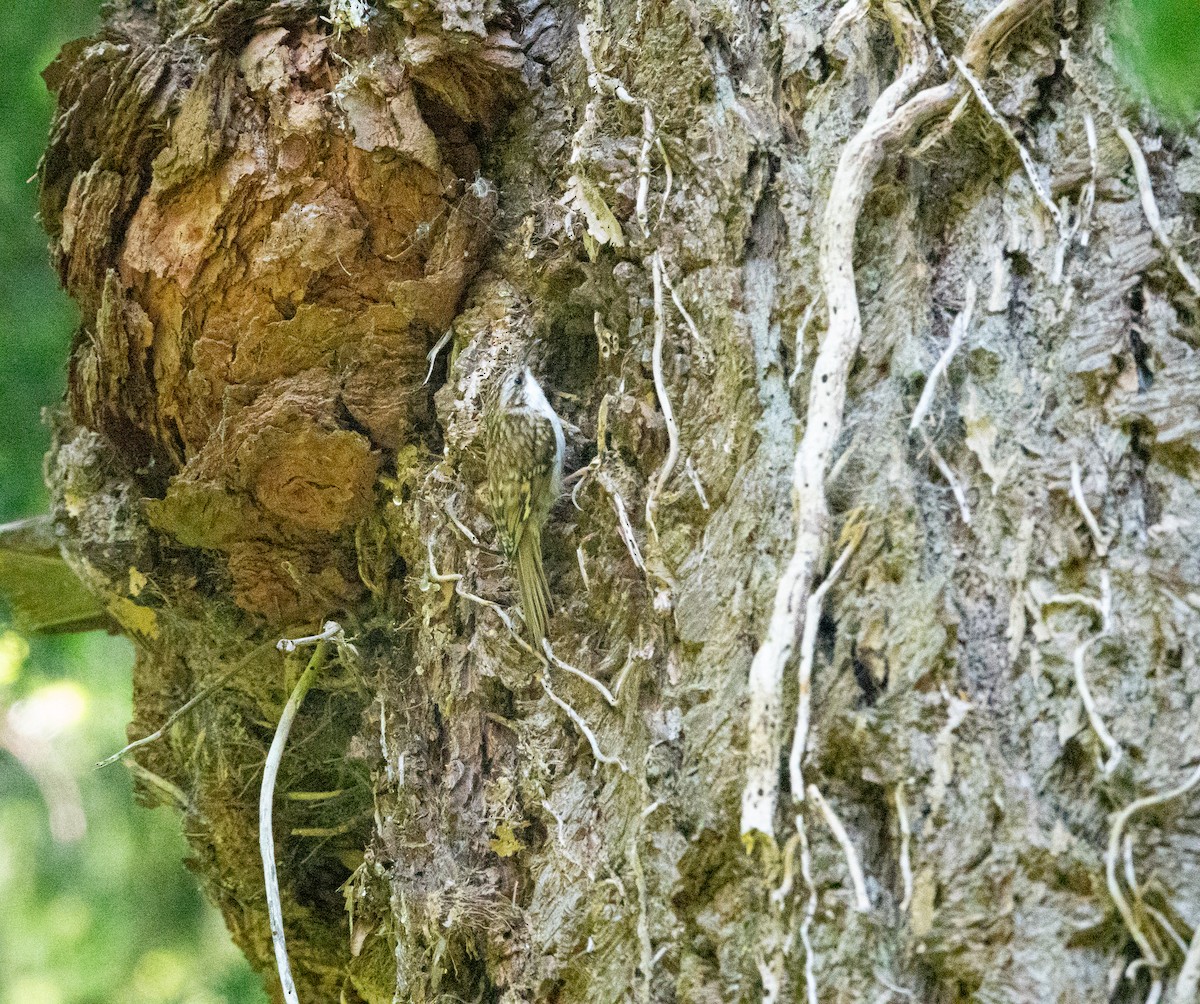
(525, 446)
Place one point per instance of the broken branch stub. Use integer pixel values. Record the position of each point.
(259, 305)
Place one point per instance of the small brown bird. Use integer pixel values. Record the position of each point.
(525, 447)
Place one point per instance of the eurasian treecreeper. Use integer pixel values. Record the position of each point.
(525, 447)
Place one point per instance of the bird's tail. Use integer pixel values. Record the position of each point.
(535, 590)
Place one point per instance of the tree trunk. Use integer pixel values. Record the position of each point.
(737, 242)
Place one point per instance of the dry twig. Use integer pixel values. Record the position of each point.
(187, 706)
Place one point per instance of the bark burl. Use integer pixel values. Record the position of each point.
(872, 327)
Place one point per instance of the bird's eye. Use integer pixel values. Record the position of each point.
(519, 379)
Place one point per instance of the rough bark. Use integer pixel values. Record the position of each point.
(269, 215)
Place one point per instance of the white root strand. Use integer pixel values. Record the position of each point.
(459, 525)
(1111, 746)
(219, 681)
(601, 83)
(646, 963)
(1085, 511)
(808, 644)
(1130, 875)
(1165, 923)
(857, 880)
(588, 734)
(266, 803)
(434, 574)
(591, 681)
(583, 572)
(690, 470)
(564, 846)
(498, 610)
(947, 472)
(1087, 199)
(892, 987)
(801, 331)
(670, 176)
(779, 896)
(1103, 607)
(1067, 599)
(1113, 855)
(641, 213)
(1039, 188)
(1150, 207)
(1189, 974)
(826, 400)
(906, 873)
(810, 911)
(958, 331)
(891, 121)
(432, 354)
(329, 631)
(626, 530)
(383, 743)
(702, 345)
(605, 84)
(664, 402)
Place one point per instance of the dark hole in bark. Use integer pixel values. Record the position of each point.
(1137, 345)
(1141, 438)
(865, 681)
(826, 637)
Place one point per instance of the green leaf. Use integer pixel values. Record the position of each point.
(1158, 42)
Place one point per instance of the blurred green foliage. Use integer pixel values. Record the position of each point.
(111, 917)
(1158, 42)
